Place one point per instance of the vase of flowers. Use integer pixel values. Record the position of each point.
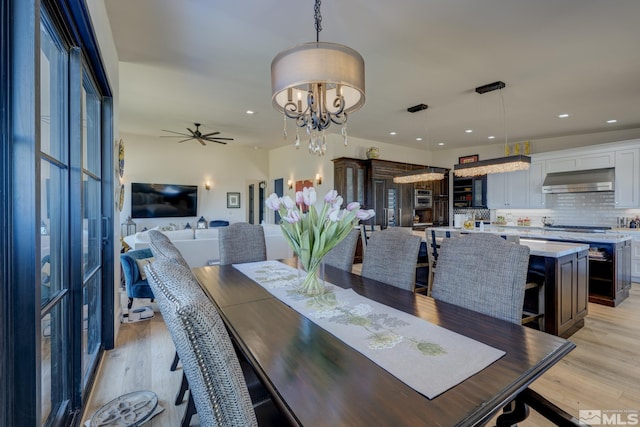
(312, 232)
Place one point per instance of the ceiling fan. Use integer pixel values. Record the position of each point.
(197, 135)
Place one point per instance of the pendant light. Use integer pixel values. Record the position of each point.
(499, 165)
(316, 84)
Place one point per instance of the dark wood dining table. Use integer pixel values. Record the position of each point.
(317, 380)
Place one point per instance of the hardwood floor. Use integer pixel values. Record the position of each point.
(603, 372)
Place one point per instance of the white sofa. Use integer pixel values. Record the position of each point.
(201, 247)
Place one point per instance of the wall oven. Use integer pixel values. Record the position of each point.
(423, 199)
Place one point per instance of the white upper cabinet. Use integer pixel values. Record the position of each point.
(537, 173)
(508, 190)
(627, 184)
(581, 162)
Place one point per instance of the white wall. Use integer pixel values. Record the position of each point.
(227, 168)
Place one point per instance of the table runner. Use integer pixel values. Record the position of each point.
(428, 358)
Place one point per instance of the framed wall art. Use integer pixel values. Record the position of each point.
(468, 159)
(233, 200)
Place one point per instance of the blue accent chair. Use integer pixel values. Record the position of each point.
(136, 287)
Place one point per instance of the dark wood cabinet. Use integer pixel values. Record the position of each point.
(350, 179)
(566, 291)
(610, 275)
(370, 182)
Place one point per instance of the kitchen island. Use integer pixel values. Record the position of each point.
(565, 269)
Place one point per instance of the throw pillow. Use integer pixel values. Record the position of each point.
(141, 263)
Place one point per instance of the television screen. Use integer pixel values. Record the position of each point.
(163, 200)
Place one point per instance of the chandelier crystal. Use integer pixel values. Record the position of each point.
(317, 84)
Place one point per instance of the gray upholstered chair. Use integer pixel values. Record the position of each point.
(218, 381)
(483, 273)
(242, 242)
(162, 248)
(391, 257)
(341, 256)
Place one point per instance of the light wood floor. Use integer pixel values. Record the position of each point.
(603, 372)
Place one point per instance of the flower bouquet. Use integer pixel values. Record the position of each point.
(312, 233)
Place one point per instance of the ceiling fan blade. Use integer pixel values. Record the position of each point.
(192, 133)
(185, 140)
(209, 134)
(219, 142)
(177, 133)
(219, 137)
(201, 141)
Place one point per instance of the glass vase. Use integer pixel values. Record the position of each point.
(311, 282)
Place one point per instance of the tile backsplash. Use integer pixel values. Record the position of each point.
(595, 209)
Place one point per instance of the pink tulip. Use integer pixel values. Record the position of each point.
(309, 196)
(273, 202)
(331, 196)
(288, 202)
(353, 206)
(292, 216)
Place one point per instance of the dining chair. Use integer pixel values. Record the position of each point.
(136, 283)
(366, 230)
(483, 273)
(162, 248)
(242, 242)
(391, 257)
(341, 256)
(534, 308)
(433, 237)
(221, 388)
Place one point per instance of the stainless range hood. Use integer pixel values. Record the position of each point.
(585, 181)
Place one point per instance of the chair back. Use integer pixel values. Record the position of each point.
(242, 242)
(391, 257)
(162, 248)
(433, 237)
(484, 273)
(210, 364)
(366, 230)
(341, 256)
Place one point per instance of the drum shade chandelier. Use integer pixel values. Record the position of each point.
(317, 84)
(499, 165)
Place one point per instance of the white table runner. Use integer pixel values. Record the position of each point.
(428, 358)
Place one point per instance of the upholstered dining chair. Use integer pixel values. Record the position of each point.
(341, 256)
(220, 386)
(391, 257)
(162, 248)
(242, 242)
(432, 238)
(484, 273)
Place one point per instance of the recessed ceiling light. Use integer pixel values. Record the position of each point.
(491, 137)
(469, 130)
(392, 133)
(418, 139)
(250, 112)
(612, 121)
(441, 143)
(563, 116)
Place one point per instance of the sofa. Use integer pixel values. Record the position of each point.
(200, 247)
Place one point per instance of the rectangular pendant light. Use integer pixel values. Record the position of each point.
(499, 165)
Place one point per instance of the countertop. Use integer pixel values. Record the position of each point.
(544, 248)
(612, 236)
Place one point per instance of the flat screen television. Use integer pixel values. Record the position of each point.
(163, 200)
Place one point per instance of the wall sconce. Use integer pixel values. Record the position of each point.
(207, 186)
(318, 179)
(290, 182)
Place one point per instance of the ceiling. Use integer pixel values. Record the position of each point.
(209, 61)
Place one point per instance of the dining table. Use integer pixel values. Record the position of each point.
(318, 380)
